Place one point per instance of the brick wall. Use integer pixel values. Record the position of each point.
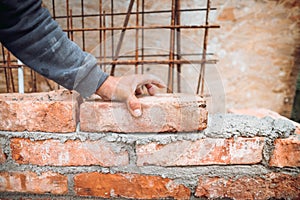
(45, 153)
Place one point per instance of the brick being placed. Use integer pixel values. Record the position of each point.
(161, 113)
(45, 112)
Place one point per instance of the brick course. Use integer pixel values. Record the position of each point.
(273, 185)
(202, 152)
(70, 153)
(47, 165)
(133, 186)
(161, 113)
(30, 182)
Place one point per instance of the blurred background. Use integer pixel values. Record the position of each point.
(236, 54)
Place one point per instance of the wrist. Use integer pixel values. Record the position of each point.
(105, 90)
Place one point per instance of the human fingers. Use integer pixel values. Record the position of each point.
(150, 79)
(150, 89)
(138, 91)
(134, 106)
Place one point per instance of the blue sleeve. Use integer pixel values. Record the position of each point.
(31, 34)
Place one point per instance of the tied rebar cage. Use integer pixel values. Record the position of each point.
(111, 24)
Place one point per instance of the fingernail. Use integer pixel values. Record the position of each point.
(137, 112)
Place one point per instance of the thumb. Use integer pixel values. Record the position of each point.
(134, 106)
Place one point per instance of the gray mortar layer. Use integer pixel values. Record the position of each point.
(219, 126)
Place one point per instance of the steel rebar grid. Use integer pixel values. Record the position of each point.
(175, 55)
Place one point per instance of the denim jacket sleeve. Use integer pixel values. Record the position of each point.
(29, 32)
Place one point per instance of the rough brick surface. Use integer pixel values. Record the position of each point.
(47, 112)
(276, 185)
(29, 182)
(286, 152)
(161, 113)
(70, 153)
(131, 186)
(202, 152)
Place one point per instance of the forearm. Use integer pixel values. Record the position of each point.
(37, 40)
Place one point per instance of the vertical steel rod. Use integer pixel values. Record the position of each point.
(122, 36)
(143, 32)
(104, 40)
(5, 70)
(112, 31)
(137, 36)
(171, 53)
(100, 31)
(33, 79)
(202, 69)
(82, 25)
(53, 9)
(11, 76)
(178, 47)
(67, 11)
(71, 25)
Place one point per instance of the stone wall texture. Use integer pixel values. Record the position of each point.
(237, 156)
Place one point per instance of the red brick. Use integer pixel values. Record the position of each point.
(273, 185)
(47, 112)
(29, 182)
(161, 113)
(286, 152)
(133, 186)
(202, 152)
(70, 153)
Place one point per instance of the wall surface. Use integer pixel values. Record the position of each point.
(258, 49)
(236, 157)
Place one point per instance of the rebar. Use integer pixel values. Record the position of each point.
(143, 33)
(122, 36)
(142, 12)
(68, 22)
(175, 58)
(137, 36)
(165, 62)
(171, 51)
(100, 31)
(178, 43)
(104, 41)
(201, 80)
(146, 27)
(82, 25)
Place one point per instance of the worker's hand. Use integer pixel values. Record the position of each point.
(126, 88)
